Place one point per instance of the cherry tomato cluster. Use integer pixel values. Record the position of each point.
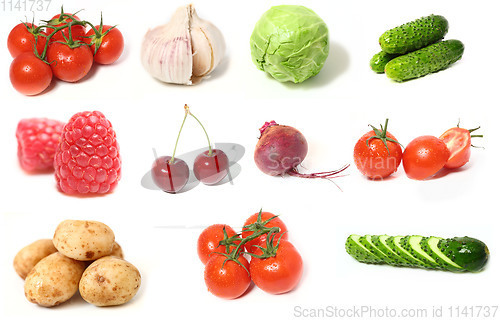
(275, 265)
(171, 173)
(378, 154)
(61, 47)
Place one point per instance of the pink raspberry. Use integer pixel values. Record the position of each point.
(88, 157)
(37, 140)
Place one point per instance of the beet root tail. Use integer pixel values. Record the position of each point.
(325, 175)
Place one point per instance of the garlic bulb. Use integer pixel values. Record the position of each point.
(184, 50)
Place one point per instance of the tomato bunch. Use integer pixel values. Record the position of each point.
(275, 265)
(61, 47)
(378, 154)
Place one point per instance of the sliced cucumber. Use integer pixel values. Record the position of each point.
(394, 243)
(411, 243)
(458, 254)
(380, 242)
(366, 241)
(358, 251)
(430, 246)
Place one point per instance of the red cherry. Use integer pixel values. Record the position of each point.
(170, 177)
(211, 169)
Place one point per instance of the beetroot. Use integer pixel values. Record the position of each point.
(281, 149)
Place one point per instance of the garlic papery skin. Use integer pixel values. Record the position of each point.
(183, 51)
(208, 46)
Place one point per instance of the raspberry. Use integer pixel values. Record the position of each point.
(37, 140)
(87, 158)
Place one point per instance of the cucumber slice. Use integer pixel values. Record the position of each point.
(411, 243)
(394, 243)
(380, 242)
(355, 249)
(430, 246)
(366, 241)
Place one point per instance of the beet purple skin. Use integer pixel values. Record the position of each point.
(280, 149)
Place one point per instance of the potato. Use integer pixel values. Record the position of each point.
(109, 281)
(53, 280)
(117, 251)
(84, 240)
(31, 254)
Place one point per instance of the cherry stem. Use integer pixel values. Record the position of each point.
(199, 122)
(186, 108)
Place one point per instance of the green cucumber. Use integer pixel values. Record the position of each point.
(379, 60)
(430, 246)
(366, 241)
(359, 252)
(425, 61)
(394, 243)
(411, 243)
(414, 35)
(380, 242)
(469, 253)
(458, 254)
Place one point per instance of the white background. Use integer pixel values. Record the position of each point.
(158, 231)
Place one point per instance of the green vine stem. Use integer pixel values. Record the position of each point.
(258, 228)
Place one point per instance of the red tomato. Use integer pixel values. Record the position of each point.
(458, 141)
(23, 39)
(249, 246)
(77, 31)
(29, 74)
(110, 44)
(229, 281)
(424, 156)
(69, 64)
(377, 153)
(209, 239)
(278, 274)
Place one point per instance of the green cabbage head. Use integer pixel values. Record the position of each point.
(290, 43)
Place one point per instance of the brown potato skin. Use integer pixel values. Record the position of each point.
(53, 280)
(31, 254)
(109, 281)
(84, 240)
(117, 251)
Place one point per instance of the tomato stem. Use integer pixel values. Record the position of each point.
(270, 250)
(382, 135)
(258, 229)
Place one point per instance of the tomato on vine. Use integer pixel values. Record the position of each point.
(106, 43)
(257, 222)
(61, 19)
(276, 267)
(69, 61)
(227, 278)
(24, 38)
(29, 74)
(216, 238)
